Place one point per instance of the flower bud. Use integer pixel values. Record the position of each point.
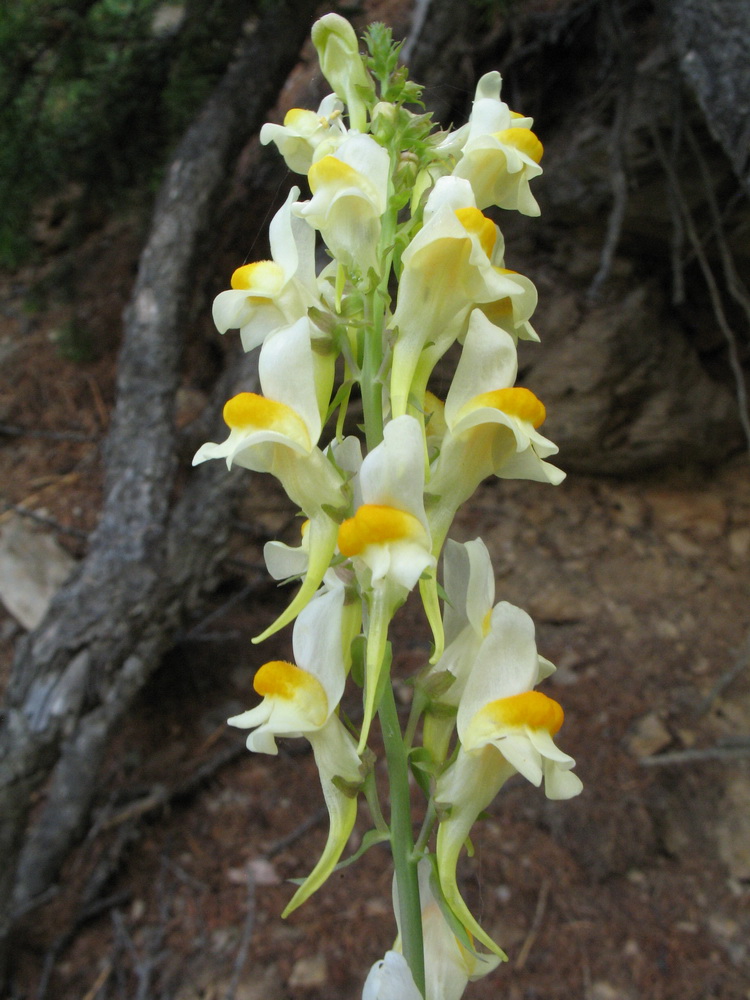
(342, 66)
(383, 121)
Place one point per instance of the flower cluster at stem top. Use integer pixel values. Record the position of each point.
(398, 205)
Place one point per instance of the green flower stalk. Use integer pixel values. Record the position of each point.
(416, 268)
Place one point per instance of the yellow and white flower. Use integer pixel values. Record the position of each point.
(300, 699)
(492, 426)
(504, 726)
(388, 539)
(306, 134)
(452, 265)
(500, 154)
(270, 294)
(469, 583)
(350, 194)
(277, 432)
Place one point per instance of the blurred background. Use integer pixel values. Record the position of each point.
(145, 852)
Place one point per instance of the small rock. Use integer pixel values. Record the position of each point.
(557, 604)
(723, 927)
(309, 972)
(650, 735)
(32, 569)
(264, 872)
(701, 515)
(732, 827)
(605, 991)
(686, 927)
(684, 546)
(739, 542)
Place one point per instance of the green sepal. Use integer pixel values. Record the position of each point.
(422, 768)
(321, 318)
(336, 514)
(370, 839)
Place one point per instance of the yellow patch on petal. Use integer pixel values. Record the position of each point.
(287, 682)
(498, 310)
(374, 524)
(483, 228)
(331, 170)
(524, 141)
(516, 402)
(249, 411)
(531, 708)
(501, 308)
(264, 275)
(296, 115)
(516, 114)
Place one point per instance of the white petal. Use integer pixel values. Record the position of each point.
(317, 639)
(489, 361)
(560, 783)
(408, 561)
(232, 309)
(507, 663)
(284, 561)
(519, 752)
(390, 979)
(287, 373)
(393, 473)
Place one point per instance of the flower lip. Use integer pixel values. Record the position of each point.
(524, 140)
(250, 411)
(478, 224)
(264, 275)
(515, 402)
(376, 524)
(279, 679)
(531, 709)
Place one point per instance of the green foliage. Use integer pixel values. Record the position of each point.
(96, 92)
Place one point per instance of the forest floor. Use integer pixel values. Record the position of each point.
(637, 890)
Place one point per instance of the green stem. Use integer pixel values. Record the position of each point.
(402, 839)
(370, 384)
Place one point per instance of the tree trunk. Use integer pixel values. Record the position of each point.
(107, 628)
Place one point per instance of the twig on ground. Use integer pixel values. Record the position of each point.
(64, 940)
(99, 981)
(247, 934)
(732, 751)
(536, 923)
(279, 845)
(741, 662)
(47, 521)
(160, 795)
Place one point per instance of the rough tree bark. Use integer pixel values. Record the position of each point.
(712, 41)
(76, 674)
